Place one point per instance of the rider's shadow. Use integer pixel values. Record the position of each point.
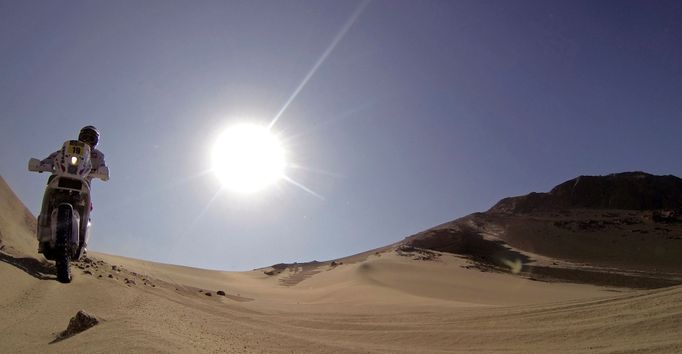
(32, 266)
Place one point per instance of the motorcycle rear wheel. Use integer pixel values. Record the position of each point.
(63, 251)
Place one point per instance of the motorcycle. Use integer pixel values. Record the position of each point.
(65, 218)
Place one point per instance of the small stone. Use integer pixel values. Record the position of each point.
(111, 275)
(208, 294)
(221, 293)
(78, 324)
(87, 272)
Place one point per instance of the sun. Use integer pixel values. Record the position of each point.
(247, 158)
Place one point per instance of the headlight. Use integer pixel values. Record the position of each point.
(74, 160)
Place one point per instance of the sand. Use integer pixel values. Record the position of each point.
(380, 301)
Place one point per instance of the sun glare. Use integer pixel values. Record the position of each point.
(247, 158)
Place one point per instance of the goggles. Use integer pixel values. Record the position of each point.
(88, 138)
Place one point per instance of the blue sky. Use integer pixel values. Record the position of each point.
(422, 112)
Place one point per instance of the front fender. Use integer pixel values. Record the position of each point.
(75, 225)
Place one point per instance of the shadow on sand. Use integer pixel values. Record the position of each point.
(32, 266)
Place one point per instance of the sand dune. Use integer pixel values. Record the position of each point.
(391, 300)
(16, 233)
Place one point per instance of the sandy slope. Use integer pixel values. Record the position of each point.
(376, 302)
(17, 223)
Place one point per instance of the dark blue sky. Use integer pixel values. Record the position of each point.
(423, 112)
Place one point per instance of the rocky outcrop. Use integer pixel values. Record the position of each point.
(625, 191)
(78, 323)
(620, 230)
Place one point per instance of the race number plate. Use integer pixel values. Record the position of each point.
(75, 147)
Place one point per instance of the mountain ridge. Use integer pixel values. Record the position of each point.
(622, 229)
(625, 191)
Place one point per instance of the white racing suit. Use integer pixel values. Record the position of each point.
(97, 161)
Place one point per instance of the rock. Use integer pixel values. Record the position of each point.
(625, 191)
(87, 272)
(208, 294)
(78, 324)
(221, 293)
(111, 275)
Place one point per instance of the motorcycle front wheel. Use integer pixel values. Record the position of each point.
(63, 252)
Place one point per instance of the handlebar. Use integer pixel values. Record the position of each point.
(35, 165)
(101, 173)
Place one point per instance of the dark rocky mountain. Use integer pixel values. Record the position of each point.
(623, 191)
(622, 229)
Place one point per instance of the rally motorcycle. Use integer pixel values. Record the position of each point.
(65, 218)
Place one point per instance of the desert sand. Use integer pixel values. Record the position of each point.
(389, 300)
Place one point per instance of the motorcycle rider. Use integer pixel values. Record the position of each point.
(88, 135)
